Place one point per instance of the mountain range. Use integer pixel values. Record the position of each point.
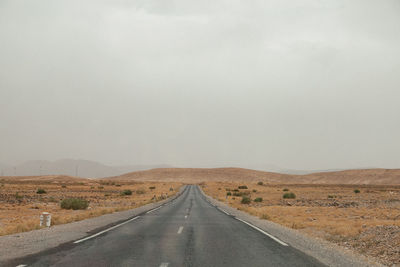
(71, 167)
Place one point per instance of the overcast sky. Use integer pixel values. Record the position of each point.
(308, 84)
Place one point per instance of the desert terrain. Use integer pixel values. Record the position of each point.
(365, 218)
(196, 175)
(21, 201)
(355, 209)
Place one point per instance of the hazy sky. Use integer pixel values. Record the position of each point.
(308, 84)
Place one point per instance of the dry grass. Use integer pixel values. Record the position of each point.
(332, 212)
(197, 175)
(20, 205)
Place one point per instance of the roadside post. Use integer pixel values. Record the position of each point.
(45, 219)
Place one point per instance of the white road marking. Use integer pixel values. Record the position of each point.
(150, 211)
(185, 216)
(180, 230)
(164, 264)
(224, 211)
(21, 265)
(265, 233)
(104, 231)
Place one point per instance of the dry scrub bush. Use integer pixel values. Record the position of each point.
(74, 203)
(289, 195)
(245, 200)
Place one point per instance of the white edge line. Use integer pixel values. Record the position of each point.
(150, 211)
(224, 211)
(164, 264)
(180, 229)
(104, 231)
(21, 265)
(265, 233)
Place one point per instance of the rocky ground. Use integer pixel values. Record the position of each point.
(364, 219)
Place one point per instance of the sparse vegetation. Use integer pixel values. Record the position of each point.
(126, 192)
(369, 223)
(260, 183)
(254, 190)
(228, 193)
(245, 200)
(239, 194)
(242, 187)
(21, 205)
(74, 203)
(18, 196)
(289, 195)
(285, 189)
(41, 191)
(258, 199)
(357, 191)
(152, 187)
(52, 199)
(140, 191)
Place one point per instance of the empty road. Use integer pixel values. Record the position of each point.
(188, 231)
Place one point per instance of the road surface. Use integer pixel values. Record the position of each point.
(188, 231)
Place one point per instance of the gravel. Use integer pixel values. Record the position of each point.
(32, 242)
(324, 251)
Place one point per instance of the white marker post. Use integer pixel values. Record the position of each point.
(45, 219)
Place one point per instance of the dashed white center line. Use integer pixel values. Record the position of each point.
(21, 265)
(185, 216)
(164, 264)
(180, 230)
(104, 231)
(265, 233)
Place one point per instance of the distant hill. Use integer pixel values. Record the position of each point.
(194, 175)
(360, 176)
(203, 174)
(71, 167)
(64, 179)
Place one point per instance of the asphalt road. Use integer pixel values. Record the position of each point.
(188, 231)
